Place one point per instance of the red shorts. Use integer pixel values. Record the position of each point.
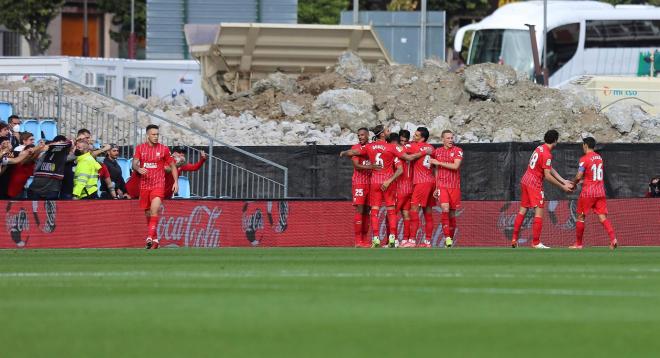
(403, 201)
(147, 195)
(376, 195)
(584, 205)
(451, 196)
(531, 197)
(422, 195)
(360, 194)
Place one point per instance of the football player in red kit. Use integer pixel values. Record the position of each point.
(149, 162)
(360, 190)
(531, 185)
(423, 186)
(592, 196)
(404, 188)
(448, 158)
(382, 154)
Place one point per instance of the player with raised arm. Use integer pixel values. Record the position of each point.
(423, 186)
(592, 196)
(448, 159)
(381, 154)
(404, 191)
(531, 186)
(360, 190)
(149, 162)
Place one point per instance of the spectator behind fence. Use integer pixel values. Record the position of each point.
(49, 170)
(654, 188)
(7, 158)
(117, 186)
(15, 126)
(22, 171)
(4, 130)
(86, 174)
(179, 156)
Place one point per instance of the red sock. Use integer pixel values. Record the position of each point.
(446, 229)
(391, 221)
(607, 224)
(365, 223)
(406, 228)
(516, 226)
(579, 232)
(428, 219)
(536, 230)
(452, 225)
(414, 224)
(153, 227)
(357, 227)
(148, 217)
(374, 222)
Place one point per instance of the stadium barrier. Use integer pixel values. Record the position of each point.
(234, 223)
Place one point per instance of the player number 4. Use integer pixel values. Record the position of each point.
(427, 161)
(597, 172)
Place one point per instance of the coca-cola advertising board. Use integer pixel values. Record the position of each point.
(289, 223)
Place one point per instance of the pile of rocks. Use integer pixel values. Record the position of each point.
(481, 103)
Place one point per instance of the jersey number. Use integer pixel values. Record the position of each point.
(379, 160)
(533, 159)
(427, 161)
(597, 172)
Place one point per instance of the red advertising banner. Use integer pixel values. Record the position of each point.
(218, 223)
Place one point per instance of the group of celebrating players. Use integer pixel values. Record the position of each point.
(412, 176)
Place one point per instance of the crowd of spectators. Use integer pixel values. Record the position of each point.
(65, 168)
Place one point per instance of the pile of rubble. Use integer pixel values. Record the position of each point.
(481, 103)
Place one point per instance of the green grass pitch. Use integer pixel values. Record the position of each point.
(304, 302)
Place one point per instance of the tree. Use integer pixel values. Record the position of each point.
(121, 10)
(30, 18)
(321, 11)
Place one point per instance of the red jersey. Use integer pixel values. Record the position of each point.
(153, 158)
(591, 164)
(540, 160)
(360, 176)
(169, 178)
(382, 153)
(405, 180)
(19, 176)
(422, 170)
(448, 178)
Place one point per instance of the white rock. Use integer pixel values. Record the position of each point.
(291, 109)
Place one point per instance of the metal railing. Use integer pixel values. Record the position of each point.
(110, 120)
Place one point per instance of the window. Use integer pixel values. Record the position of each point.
(562, 44)
(140, 86)
(622, 33)
(510, 47)
(11, 43)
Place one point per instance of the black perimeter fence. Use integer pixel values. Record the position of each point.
(490, 171)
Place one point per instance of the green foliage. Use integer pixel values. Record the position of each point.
(121, 10)
(460, 7)
(321, 11)
(617, 2)
(30, 18)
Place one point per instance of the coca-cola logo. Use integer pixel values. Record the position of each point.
(18, 225)
(197, 229)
